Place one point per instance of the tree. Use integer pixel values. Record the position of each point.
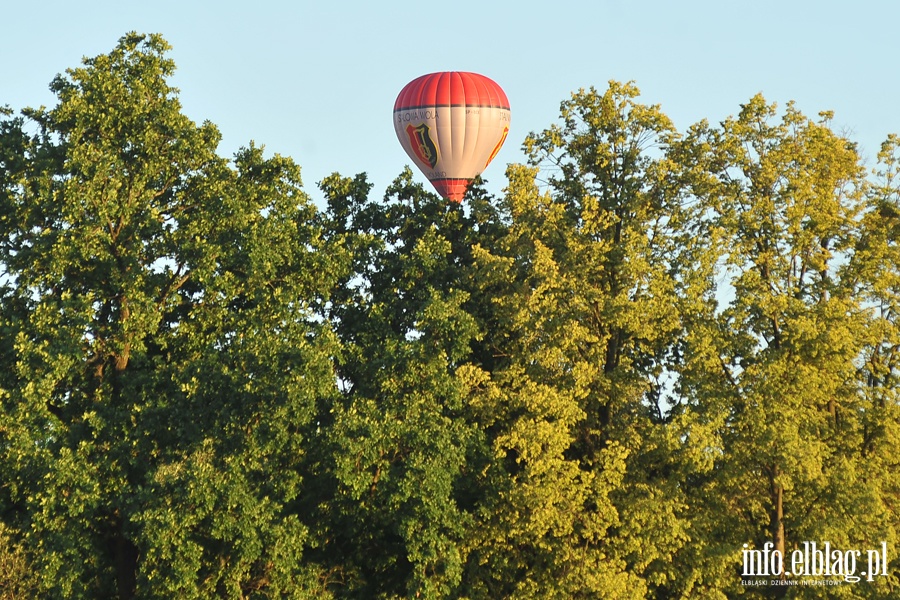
(163, 355)
(399, 445)
(654, 350)
(778, 371)
(593, 285)
(17, 577)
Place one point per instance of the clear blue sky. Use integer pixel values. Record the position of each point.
(316, 80)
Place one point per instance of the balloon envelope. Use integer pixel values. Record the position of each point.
(451, 124)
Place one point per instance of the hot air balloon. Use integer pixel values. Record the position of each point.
(451, 124)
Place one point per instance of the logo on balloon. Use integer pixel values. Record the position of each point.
(497, 147)
(422, 144)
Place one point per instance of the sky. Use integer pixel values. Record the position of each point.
(317, 80)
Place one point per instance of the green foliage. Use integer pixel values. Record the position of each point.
(165, 358)
(656, 349)
(398, 441)
(17, 576)
(789, 396)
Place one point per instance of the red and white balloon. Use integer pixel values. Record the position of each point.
(452, 124)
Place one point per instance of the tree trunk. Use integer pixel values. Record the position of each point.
(124, 555)
(776, 521)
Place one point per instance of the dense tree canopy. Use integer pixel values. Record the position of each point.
(657, 354)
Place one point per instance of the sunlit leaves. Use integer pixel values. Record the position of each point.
(167, 358)
(654, 348)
